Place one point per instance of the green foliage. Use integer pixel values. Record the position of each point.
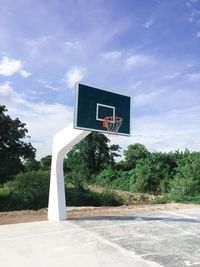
(153, 174)
(88, 158)
(28, 191)
(32, 165)
(13, 150)
(187, 179)
(133, 154)
(45, 163)
(189, 199)
(87, 197)
(162, 200)
(123, 181)
(115, 179)
(106, 177)
(93, 152)
(78, 176)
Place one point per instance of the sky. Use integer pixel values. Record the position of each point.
(147, 49)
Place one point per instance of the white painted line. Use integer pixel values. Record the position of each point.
(70, 230)
(122, 238)
(127, 238)
(90, 243)
(122, 250)
(188, 263)
(179, 229)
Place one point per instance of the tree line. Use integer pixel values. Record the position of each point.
(25, 181)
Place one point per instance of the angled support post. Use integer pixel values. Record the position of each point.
(63, 141)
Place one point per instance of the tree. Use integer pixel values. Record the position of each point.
(134, 153)
(13, 150)
(90, 156)
(45, 163)
(32, 165)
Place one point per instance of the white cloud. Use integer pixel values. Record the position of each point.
(176, 129)
(169, 131)
(42, 120)
(194, 76)
(138, 60)
(24, 73)
(149, 23)
(51, 87)
(172, 75)
(69, 46)
(198, 34)
(8, 95)
(136, 84)
(48, 85)
(112, 55)
(143, 99)
(75, 74)
(36, 45)
(10, 66)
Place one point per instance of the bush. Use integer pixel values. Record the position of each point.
(31, 190)
(123, 181)
(86, 197)
(8, 201)
(28, 191)
(115, 179)
(153, 174)
(187, 179)
(77, 177)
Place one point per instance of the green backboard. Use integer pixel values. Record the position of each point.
(101, 110)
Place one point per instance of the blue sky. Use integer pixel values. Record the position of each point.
(148, 49)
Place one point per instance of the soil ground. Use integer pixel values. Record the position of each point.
(13, 217)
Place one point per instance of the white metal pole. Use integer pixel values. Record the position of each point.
(63, 141)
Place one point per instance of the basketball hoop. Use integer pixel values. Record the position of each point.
(112, 124)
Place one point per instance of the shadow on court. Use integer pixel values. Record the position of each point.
(134, 218)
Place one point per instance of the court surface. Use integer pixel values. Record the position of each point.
(157, 238)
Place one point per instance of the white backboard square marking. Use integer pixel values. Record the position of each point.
(104, 106)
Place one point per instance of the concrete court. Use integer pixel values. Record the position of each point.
(162, 238)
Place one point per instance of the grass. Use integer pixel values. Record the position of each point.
(10, 201)
(87, 197)
(178, 199)
(126, 197)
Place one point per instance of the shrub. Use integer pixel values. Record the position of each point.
(106, 177)
(153, 174)
(115, 179)
(187, 179)
(28, 191)
(123, 181)
(77, 177)
(86, 197)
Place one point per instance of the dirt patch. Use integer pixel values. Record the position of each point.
(81, 212)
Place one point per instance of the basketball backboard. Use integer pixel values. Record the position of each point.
(93, 105)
